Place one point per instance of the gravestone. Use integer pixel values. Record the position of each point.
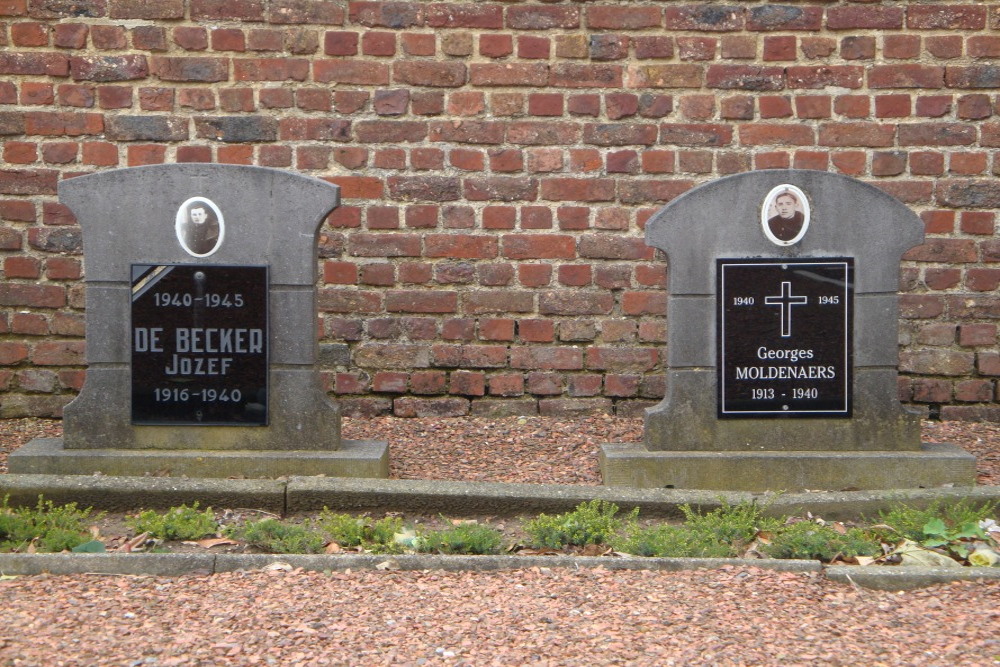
(201, 330)
(782, 347)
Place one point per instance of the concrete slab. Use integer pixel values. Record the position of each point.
(355, 458)
(903, 578)
(126, 494)
(934, 465)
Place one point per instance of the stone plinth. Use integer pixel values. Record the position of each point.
(689, 443)
(263, 218)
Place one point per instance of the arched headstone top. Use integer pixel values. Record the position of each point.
(724, 218)
(270, 217)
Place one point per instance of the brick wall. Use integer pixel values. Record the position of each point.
(498, 161)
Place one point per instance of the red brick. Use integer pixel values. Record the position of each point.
(704, 18)
(351, 71)
(852, 106)
(972, 335)
(975, 107)
(632, 359)
(466, 103)
(764, 134)
(784, 18)
(856, 134)
(573, 75)
(926, 163)
(538, 246)
(506, 384)
(70, 35)
(861, 47)
(850, 18)
(546, 358)
(575, 302)
(901, 46)
(421, 217)
(978, 222)
(644, 303)
(536, 331)
(376, 43)
(745, 77)
(780, 48)
(888, 163)
(982, 280)
(418, 301)
(425, 73)
(938, 17)
(983, 46)
(926, 390)
(933, 106)
(542, 17)
(937, 134)
(623, 17)
(247, 10)
(656, 47)
(534, 275)
(967, 163)
(906, 76)
(822, 76)
(539, 133)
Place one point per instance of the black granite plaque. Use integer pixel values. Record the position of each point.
(784, 337)
(199, 344)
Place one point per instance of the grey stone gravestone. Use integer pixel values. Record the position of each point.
(201, 330)
(782, 345)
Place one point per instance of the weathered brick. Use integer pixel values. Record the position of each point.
(457, 15)
(424, 188)
(220, 10)
(386, 14)
(745, 77)
(665, 76)
(906, 76)
(938, 17)
(537, 17)
(937, 134)
(426, 73)
(467, 131)
(968, 193)
(623, 17)
(148, 10)
(480, 302)
(573, 75)
(146, 128)
(973, 76)
(202, 69)
(392, 355)
(710, 18)
(822, 76)
(543, 133)
(757, 134)
(850, 18)
(416, 301)
(619, 134)
(856, 134)
(384, 245)
(635, 359)
(390, 131)
(237, 129)
(313, 12)
(508, 74)
(784, 17)
(635, 191)
(613, 246)
(501, 188)
(575, 302)
(936, 362)
(351, 71)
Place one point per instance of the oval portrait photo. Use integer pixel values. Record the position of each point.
(200, 227)
(785, 215)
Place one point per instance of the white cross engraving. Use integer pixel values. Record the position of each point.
(786, 301)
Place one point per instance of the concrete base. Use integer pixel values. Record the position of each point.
(48, 456)
(933, 466)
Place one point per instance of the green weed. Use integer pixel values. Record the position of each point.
(177, 523)
(810, 540)
(51, 527)
(465, 538)
(902, 522)
(666, 541)
(273, 536)
(735, 526)
(594, 522)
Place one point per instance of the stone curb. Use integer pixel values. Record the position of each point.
(297, 494)
(874, 577)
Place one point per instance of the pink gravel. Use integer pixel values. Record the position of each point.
(733, 616)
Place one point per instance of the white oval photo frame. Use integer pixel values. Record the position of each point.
(183, 223)
(769, 211)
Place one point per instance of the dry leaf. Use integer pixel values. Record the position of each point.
(277, 567)
(839, 527)
(387, 565)
(95, 532)
(332, 548)
(210, 542)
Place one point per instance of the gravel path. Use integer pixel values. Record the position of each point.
(737, 616)
(734, 616)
